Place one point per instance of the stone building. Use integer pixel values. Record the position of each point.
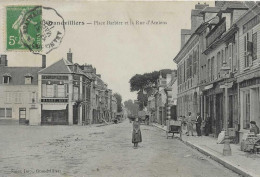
(64, 93)
(249, 70)
(18, 92)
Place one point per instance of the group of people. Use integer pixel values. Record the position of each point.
(190, 121)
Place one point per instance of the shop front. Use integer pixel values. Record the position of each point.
(249, 103)
(54, 114)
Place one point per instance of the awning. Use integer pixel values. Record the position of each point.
(54, 106)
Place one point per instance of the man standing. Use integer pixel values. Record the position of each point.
(198, 124)
(190, 125)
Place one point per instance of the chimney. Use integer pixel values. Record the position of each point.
(43, 61)
(185, 35)
(3, 61)
(69, 56)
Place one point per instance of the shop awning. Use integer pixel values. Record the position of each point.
(54, 106)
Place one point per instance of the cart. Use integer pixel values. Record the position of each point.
(173, 126)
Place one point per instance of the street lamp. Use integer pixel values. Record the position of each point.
(226, 86)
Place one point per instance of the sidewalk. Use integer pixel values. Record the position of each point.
(243, 163)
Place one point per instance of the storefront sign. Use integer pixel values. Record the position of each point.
(54, 100)
(250, 82)
(53, 77)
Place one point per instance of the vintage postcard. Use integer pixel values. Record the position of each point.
(129, 88)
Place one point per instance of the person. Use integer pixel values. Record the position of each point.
(190, 125)
(198, 124)
(254, 128)
(136, 136)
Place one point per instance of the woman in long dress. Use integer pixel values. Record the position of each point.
(136, 136)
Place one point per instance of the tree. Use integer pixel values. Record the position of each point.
(119, 101)
(145, 84)
(132, 107)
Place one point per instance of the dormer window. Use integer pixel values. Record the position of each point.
(6, 78)
(28, 79)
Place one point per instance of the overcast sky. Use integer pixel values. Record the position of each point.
(118, 52)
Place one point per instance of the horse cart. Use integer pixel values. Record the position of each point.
(173, 126)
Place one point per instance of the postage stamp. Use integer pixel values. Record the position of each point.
(15, 20)
(30, 28)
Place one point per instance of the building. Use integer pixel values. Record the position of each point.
(187, 61)
(64, 94)
(249, 70)
(18, 92)
(163, 99)
(208, 61)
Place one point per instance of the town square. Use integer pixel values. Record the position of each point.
(126, 88)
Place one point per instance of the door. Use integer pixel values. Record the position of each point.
(219, 113)
(22, 115)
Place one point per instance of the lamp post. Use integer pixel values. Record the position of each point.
(227, 149)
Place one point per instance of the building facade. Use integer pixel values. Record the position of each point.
(64, 94)
(18, 92)
(249, 70)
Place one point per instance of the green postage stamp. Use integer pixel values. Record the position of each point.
(24, 28)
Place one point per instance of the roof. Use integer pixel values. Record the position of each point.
(60, 67)
(237, 5)
(210, 10)
(18, 74)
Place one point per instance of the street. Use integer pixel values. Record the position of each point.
(99, 151)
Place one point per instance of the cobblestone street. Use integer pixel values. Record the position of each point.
(99, 151)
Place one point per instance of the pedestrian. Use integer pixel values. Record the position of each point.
(254, 128)
(190, 125)
(198, 124)
(136, 136)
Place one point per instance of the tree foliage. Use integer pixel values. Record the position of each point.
(132, 107)
(145, 84)
(119, 101)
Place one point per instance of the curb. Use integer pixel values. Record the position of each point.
(229, 166)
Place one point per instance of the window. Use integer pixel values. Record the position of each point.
(218, 64)
(6, 79)
(61, 91)
(76, 93)
(28, 80)
(5, 112)
(248, 47)
(226, 55)
(222, 57)
(246, 123)
(44, 90)
(212, 69)
(22, 113)
(254, 41)
(49, 90)
(9, 112)
(234, 60)
(2, 112)
(209, 70)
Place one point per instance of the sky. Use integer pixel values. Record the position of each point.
(117, 51)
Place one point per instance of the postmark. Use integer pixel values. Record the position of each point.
(31, 28)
